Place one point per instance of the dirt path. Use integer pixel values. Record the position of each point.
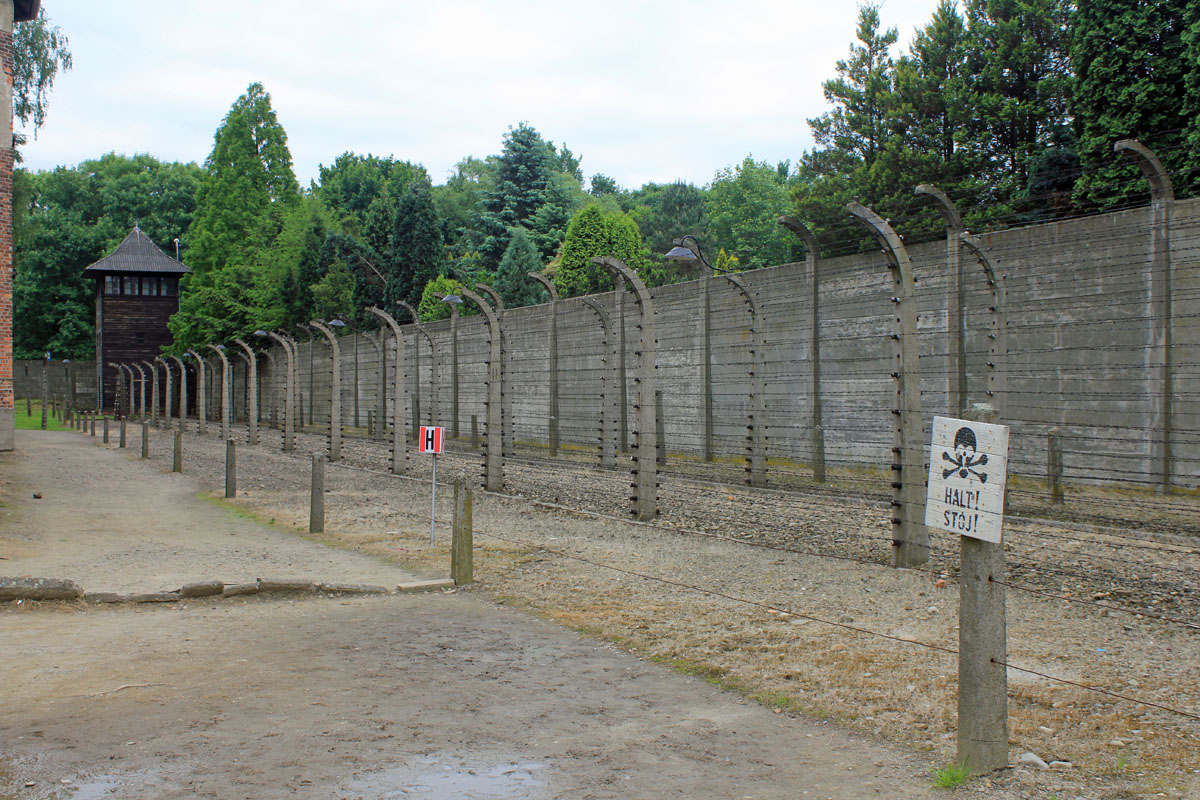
(426, 696)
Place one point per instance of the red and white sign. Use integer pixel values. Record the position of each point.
(430, 440)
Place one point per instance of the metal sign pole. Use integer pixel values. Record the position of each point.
(433, 506)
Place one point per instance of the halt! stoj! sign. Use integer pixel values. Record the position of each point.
(968, 467)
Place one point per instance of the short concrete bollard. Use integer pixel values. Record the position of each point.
(316, 509)
(105, 440)
(121, 443)
(230, 468)
(177, 457)
(92, 422)
(145, 439)
(461, 554)
(1054, 465)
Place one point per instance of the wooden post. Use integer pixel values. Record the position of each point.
(145, 438)
(461, 555)
(316, 509)
(230, 468)
(982, 654)
(1054, 465)
(177, 455)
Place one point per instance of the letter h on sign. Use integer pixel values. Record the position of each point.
(431, 439)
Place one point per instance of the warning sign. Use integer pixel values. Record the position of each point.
(968, 468)
(430, 440)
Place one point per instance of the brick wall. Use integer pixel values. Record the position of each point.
(6, 243)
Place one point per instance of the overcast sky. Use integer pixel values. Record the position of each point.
(644, 91)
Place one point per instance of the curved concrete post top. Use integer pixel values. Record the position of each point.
(325, 329)
(196, 356)
(619, 270)
(746, 295)
(412, 312)
(803, 233)
(247, 351)
(373, 339)
(549, 284)
(153, 367)
(945, 205)
(493, 295)
(594, 305)
(141, 372)
(975, 245)
(388, 318)
(220, 352)
(1161, 189)
(282, 340)
(880, 227)
(492, 320)
(161, 360)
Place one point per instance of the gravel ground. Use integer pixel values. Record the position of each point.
(780, 596)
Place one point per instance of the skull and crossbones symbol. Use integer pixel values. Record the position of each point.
(964, 458)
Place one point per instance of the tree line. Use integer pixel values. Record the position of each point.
(1010, 106)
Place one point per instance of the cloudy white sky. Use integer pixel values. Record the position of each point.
(644, 91)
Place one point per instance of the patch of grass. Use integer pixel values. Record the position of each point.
(950, 776)
(33, 420)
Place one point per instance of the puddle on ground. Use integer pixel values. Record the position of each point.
(435, 778)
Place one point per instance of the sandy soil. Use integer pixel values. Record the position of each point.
(429, 696)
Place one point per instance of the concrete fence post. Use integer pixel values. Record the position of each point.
(226, 400)
(506, 416)
(316, 508)
(145, 439)
(153, 367)
(92, 421)
(552, 426)
(251, 391)
(230, 468)
(660, 449)
(201, 411)
(475, 431)
(756, 458)
(169, 395)
(461, 553)
(141, 388)
(177, 453)
(122, 438)
(816, 428)
(1054, 465)
(1162, 205)
(956, 350)
(183, 407)
(493, 448)
(335, 391)
(46, 395)
(646, 471)
(910, 538)
(997, 362)
(105, 433)
(607, 433)
(399, 393)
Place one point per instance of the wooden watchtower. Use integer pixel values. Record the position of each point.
(137, 291)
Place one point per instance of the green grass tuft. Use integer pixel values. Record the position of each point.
(950, 776)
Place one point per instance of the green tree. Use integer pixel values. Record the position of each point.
(431, 308)
(417, 254)
(1191, 101)
(594, 233)
(530, 173)
(333, 295)
(70, 217)
(249, 168)
(39, 52)
(856, 129)
(663, 213)
(512, 277)
(1129, 57)
(743, 205)
(1019, 88)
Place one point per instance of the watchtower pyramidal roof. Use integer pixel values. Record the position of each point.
(136, 253)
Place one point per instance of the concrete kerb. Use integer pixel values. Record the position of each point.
(21, 589)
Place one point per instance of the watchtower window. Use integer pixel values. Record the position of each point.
(131, 284)
(168, 286)
(150, 285)
(112, 284)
